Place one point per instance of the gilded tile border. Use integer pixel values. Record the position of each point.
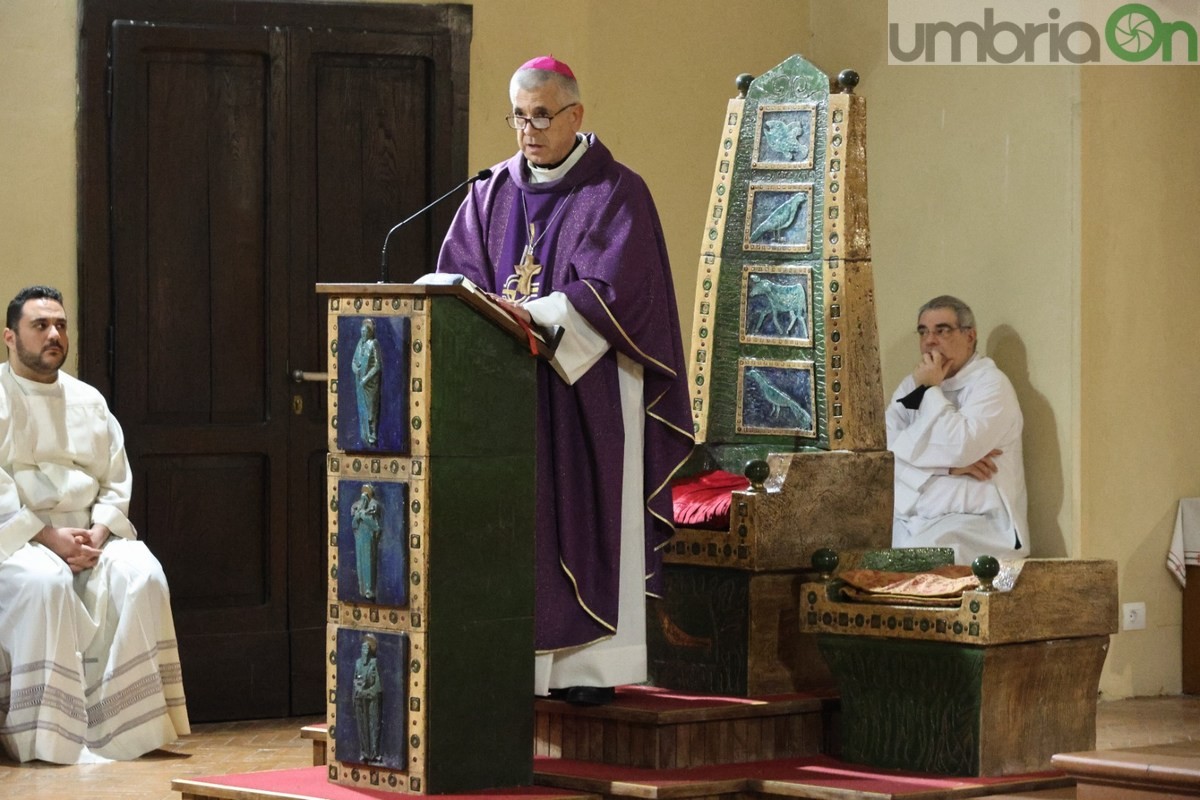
(709, 272)
(416, 309)
(382, 469)
(965, 624)
(362, 776)
(838, 412)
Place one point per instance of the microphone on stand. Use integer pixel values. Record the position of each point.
(482, 175)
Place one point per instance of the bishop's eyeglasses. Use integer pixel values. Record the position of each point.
(940, 331)
(518, 123)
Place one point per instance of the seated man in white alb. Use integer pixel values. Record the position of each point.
(954, 426)
(89, 667)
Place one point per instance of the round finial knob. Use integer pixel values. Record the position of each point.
(986, 568)
(848, 79)
(757, 471)
(825, 561)
(743, 82)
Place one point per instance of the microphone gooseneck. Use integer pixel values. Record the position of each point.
(482, 175)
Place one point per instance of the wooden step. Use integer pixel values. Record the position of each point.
(816, 777)
(1063, 793)
(1156, 772)
(318, 734)
(659, 729)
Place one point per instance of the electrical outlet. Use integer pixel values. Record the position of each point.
(1133, 616)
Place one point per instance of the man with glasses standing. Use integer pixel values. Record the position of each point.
(564, 235)
(954, 426)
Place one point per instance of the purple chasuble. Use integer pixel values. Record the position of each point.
(545, 212)
(603, 248)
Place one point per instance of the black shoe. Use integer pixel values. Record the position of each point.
(585, 695)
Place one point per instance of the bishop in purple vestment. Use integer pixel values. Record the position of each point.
(569, 236)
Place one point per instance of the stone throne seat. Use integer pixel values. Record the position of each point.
(784, 375)
(993, 682)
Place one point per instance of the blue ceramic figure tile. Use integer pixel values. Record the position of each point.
(777, 305)
(373, 542)
(372, 698)
(373, 384)
(777, 398)
(779, 218)
(785, 136)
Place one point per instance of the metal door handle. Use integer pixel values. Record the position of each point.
(300, 376)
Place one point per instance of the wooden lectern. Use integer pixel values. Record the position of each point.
(431, 508)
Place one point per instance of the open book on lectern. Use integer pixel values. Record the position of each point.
(547, 337)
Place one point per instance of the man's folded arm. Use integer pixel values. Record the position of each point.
(942, 436)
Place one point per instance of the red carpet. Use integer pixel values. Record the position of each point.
(312, 783)
(816, 777)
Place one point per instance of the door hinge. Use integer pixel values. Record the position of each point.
(110, 347)
(108, 87)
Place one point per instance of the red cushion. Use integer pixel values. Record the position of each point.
(702, 500)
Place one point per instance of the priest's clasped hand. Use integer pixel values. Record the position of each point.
(78, 547)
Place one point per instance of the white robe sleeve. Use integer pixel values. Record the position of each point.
(581, 345)
(111, 508)
(17, 524)
(909, 478)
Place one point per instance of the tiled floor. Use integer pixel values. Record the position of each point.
(276, 744)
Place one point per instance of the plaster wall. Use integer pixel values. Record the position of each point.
(37, 157)
(1055, 200)
(973, 192)
(1140, 288)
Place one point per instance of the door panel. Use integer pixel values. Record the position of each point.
(179, 490)
(368, 159)
(198, 339)
(366, 148)
(233, 155)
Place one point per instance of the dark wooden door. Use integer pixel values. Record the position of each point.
(243, 158)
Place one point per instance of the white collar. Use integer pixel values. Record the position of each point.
(544, 175)
(973, 363)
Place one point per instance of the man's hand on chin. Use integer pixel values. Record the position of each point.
(932, 369)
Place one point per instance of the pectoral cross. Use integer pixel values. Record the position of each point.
(527, 268)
